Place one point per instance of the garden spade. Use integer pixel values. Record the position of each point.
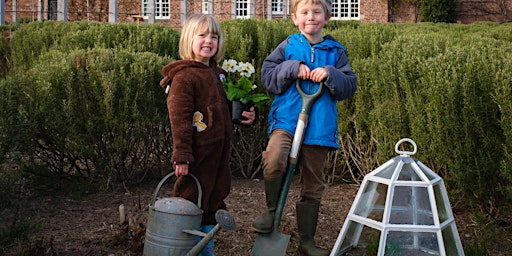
(275, 242)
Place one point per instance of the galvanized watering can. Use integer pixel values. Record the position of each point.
(174, 222)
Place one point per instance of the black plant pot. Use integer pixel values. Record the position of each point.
(237, 109)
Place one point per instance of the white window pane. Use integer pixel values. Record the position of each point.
(162, 9)
(345, 9)
(242, 9)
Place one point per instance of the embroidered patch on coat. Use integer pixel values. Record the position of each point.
(198, 121)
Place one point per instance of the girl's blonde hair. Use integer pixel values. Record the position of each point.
(200, 23)
(326, 4)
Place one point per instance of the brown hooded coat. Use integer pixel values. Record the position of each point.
(196, 88)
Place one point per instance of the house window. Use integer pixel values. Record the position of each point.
(205, 6)
(242, 9)
(277, 6)
(345, 9)
(162, 9)
(52, 9)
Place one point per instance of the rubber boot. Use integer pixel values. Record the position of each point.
(208, 249)
(307, 217)
(265, 222)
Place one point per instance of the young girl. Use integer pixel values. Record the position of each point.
(200, 118)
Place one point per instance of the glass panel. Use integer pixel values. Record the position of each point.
(352, 235)
(277, 6)
(364, 240)
(408, 173)
(345, 9)
(242, 8)
(205, 6)
(431, 175)
(372, 201)
(451, 241)
(354, 9)
(411, 205)
(162, 9)
(52, 9)
(411, 243)
(442, 205)
(387, 172)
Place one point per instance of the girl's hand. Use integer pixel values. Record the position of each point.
(250, 115)
(181, 170)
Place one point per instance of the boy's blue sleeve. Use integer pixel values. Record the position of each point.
(342, 80)
(277, 73)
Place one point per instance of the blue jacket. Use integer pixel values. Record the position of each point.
(279, 75)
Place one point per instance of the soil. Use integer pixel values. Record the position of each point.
(91, 226)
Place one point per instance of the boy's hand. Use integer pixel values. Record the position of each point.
(303, 72)
(318, 75)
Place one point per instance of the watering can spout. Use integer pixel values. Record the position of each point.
(224, 221)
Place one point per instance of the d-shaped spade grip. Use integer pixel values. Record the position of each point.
(308, 99)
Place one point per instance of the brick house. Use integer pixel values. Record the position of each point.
(173, 12)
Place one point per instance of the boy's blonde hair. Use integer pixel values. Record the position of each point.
(200, 23)
(326, 4)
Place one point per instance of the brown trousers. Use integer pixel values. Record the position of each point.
(211, 167)
(311, 160)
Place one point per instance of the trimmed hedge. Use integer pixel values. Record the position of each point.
(91, 113)
(88, 93)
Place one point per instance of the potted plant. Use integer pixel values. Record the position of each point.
(239, 87)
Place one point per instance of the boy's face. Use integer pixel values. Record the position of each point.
(310, 18)
(204, 46)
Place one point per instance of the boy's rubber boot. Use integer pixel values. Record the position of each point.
(208, 249)
(265, 222)
(307, 217)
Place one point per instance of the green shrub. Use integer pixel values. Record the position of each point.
(83, 99)
(96, 113)
(444, 87)
(153, 38)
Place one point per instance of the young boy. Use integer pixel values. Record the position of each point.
(313, 59)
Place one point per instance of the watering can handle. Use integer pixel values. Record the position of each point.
(200, 197)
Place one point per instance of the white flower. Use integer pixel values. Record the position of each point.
(246, 69)
(230, 65)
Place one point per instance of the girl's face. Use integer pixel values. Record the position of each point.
(204, 46)
(310, 19)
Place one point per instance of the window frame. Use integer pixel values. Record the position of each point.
(246, 9)
(277, 7)
(346, 10)
(205, 6)
(162, 9)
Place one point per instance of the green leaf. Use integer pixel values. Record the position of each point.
(244, 84)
